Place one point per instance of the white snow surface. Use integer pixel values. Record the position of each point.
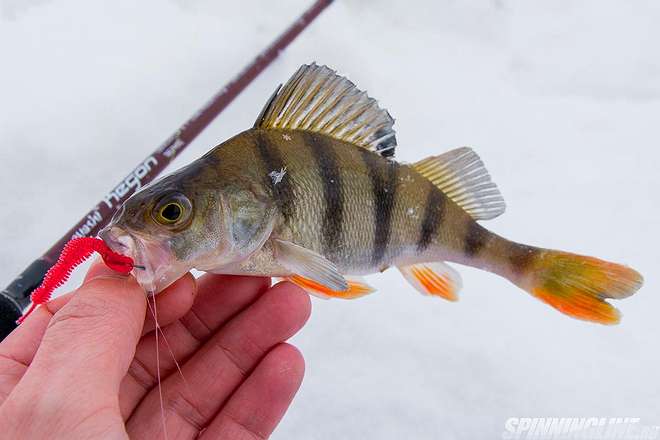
(561, 99)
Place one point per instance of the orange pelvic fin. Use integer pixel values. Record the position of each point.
(578, 286)
(435, 279)
(357, 287)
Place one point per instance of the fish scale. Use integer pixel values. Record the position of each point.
(353, 253)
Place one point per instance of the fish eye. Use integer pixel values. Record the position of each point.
(172, 210)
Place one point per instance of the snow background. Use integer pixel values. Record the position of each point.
(560, 98)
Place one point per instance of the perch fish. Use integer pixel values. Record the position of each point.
(312, 193)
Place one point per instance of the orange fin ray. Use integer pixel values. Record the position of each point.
(578, 286)
(434, 279)
(357, 287)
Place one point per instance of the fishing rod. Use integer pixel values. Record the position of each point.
(17, 295)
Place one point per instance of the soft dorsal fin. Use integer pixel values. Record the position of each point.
(461, 175)
(317, 99)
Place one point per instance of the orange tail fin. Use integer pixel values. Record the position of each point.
(578, 286)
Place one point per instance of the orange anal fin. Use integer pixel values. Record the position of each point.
(357, 287)
(435, 279)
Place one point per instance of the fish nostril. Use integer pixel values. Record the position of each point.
(116, 238)
(125, 241)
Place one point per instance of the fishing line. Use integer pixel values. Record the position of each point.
(171, 351)
(154, 311)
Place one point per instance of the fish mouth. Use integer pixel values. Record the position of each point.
(152, 259)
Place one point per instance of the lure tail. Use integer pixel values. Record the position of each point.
(576, 285)
(74, 253)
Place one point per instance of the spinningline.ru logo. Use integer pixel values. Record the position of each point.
(578, 428)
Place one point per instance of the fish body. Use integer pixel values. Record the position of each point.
(312, 193)
(359, 210)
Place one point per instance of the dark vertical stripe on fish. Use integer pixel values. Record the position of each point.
(521, 257)
(326, 160)
(433, 215)
(384, 192)
(277, 178)
(475, 238)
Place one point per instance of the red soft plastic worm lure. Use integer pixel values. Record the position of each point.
(73, 254)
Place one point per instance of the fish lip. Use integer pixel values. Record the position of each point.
(131, 245)
(152, 259)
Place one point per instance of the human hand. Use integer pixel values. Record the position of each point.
(84, 365)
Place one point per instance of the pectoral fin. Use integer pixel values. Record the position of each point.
(435, 279)
(308, 265)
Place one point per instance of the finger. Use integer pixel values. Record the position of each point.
(259, 404)
(173, 303)
(87, 346)
(222, 364)
(218, 299)
(21, 344)
(98, 269)
(18, 348)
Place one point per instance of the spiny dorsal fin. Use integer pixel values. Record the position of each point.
(461, 175)
(317, 99)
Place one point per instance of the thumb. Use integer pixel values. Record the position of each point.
(90, 343)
